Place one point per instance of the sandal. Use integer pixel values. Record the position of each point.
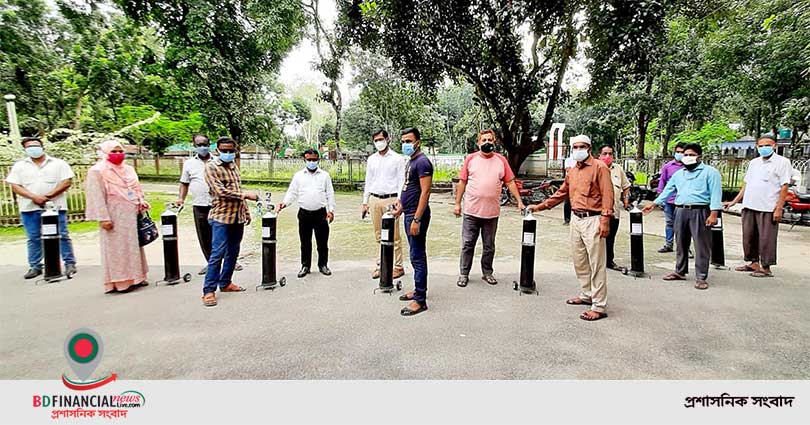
(701, 284)
(761, 273)
(674, 276)
(577, 301)
(209, 299)
(462, 281)
(406, 297)
(745, 268)
(585, 316)
(490, 279)
(232, 288)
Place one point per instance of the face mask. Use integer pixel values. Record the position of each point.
(488, 147)
(115, 157)
(408, 149)
(765, 151)
(380, 146)
(227, 157)
(34, 151)
(679, 156)
(312, 165)
(689, 160)
(580, 155)
(607, 159)
(203, 150)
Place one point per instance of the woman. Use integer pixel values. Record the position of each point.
(114, 199)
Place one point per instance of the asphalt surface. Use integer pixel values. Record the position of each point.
(336, 328)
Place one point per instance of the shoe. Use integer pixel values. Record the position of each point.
(303, 272)
(203, 271)
(462, 281)
(376, 274)
(665, 248)
(325, 271)
(614, 266)
(70, 269)
(691, 255)
(32, 273)
(238, 268)
(488, 278)
(567, 223)
(406, 297)
(398, 272)
(408, 312)
(232, 288)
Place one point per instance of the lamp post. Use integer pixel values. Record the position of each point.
(14, 127)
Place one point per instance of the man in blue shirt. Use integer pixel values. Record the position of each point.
(413, 202)
(696, 206)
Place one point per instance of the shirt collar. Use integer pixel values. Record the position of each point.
(31, 160)
(587, 161)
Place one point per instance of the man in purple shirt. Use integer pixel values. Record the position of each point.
(667, 171)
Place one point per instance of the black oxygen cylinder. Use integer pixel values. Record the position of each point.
(636, 241)
(269, 222)
(718, 250)
(50, 241)
(171, 258)
(528, 239)
(387, 250)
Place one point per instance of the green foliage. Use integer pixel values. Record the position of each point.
(709, 137)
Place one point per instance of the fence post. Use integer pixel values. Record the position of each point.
(157, 165)
(351, 180)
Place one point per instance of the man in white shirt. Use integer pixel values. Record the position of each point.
(385, 175)
(763, 195)
(312, 187)
(193, 178)
(35, 180)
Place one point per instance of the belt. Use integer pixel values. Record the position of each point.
(693, 207)
(583, 214)
(390, 195)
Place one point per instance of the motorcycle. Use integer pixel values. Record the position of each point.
(647, 192)
(530, 192)
(797, 208)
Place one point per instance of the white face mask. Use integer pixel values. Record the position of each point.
(580, 155)
(380, 146)
(689, 160)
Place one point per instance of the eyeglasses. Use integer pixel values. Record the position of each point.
(227, 151)
(378, 140)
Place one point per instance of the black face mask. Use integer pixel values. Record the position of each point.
(488, 147)
(691, 167)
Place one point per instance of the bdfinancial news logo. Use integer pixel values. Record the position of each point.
(83, 350)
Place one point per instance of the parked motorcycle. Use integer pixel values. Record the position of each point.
(530, 192)
(646, 192)
(797, 208)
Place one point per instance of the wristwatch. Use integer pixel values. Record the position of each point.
(416, 220)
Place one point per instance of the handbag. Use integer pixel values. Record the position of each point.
(147, 229)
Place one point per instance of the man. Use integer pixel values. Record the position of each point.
(193, 178)
(35, 180)
(480, 181)
(413, 202)
(590, 191)
(667, 171)
(621, 190)
(228, 216)
(385, 175)
(696, 205)
(312, 187)
(763, 195)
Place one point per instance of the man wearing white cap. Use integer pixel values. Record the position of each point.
(590, 191)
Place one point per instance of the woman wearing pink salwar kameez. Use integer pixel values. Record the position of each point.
(114, 199)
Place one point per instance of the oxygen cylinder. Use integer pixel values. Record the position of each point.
(718, 258)
(527, 284)
(51, 238)
(269, 222)
(636, 241)
(387, 250)
(171, 259)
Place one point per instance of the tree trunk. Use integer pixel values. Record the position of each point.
(643, 117)
(77, 118)
(758, 129)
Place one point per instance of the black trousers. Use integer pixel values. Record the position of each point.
(203, 229)
(309, 221)
(611, 239)
(567, 211)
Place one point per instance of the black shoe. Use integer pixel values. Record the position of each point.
(70, 269)
(404, 297)
(665, 248)
(325, 271)
(304, 271)
(614, 266)
(32, 273)
(408, 312)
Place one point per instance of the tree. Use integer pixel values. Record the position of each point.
(224, 49)
(481, 41)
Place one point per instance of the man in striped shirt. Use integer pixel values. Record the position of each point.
(228, 217)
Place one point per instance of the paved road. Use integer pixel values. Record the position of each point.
(335, 328)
